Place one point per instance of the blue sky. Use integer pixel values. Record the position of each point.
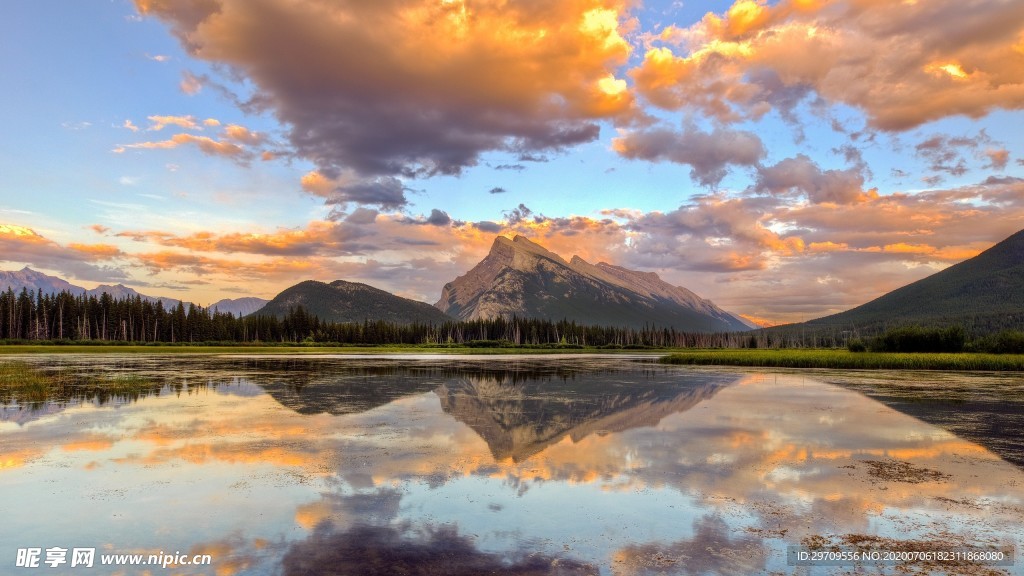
(785, 159)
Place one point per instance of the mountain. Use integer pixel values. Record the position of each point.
(33, 281)
(120, 292)
(239, 306)
(519, 277)
(982, 294)
(342, 301)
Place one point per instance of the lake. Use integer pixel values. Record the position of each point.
(508, 465)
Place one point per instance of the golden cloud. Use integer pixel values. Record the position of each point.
(206, 144)
(902, 63)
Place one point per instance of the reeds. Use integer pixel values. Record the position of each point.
(843, 359)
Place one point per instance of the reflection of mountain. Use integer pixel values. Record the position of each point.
(520, 419)
(345, 393)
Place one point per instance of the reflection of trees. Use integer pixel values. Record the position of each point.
(387, 550)
(346, 387)
(710, 551)
(519, 418)
(306, 385)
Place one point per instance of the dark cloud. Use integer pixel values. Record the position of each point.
(383, 191)
(775, 94)
(438, 218)
(948, 154)
(517, 215)
(362, 216)
(412, 88)
(487, 226)
(854, 157)
(516, 167)
(497, 190)
(527, 157)
(709, 154)
(801, 174)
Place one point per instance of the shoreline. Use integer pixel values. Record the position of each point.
(758, 358)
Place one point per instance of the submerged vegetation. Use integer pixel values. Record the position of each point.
(23, 383)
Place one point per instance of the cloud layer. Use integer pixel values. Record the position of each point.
(902, 63)
(416, 87)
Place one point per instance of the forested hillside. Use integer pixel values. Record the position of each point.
(342, 301)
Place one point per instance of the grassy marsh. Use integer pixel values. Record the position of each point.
(21, 382)
(843, 359)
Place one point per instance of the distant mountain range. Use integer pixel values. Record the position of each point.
(33, 281)
(983, 294)
(519, 277)
(342, 301)
(239, 306)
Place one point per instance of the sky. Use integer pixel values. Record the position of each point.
(785, 159)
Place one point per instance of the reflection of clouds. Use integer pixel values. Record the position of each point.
(18, 458)
(344, 510)
(230, 555)
(711, 550)
(428, 550)
(89, 443)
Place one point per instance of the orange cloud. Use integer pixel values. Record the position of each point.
(97, 251)
(23, 244)
(206, 144)
(740, 64)
(243, 135)
(161, 122)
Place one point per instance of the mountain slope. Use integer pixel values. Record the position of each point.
(342, 301)
(983, 294)
(519, 277)
(33, 281)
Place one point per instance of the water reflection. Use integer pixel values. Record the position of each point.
(518, 419)
(553, 466)
(390, 550)
(986, 410)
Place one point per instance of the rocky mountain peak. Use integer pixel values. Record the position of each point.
(520, 277)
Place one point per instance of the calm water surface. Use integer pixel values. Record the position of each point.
(553, 465)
